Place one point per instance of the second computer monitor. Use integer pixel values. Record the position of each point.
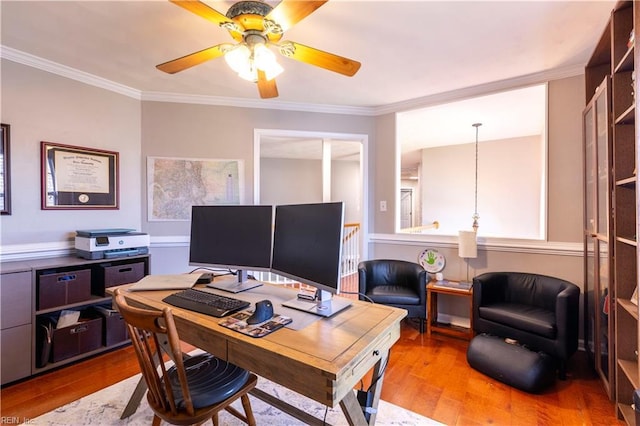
(307, 247)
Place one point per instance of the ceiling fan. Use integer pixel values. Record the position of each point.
(256, 25)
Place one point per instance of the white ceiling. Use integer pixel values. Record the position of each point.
(504, 115)
(410, 51)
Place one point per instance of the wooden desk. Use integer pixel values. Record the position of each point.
(324, 361)
(432, 311)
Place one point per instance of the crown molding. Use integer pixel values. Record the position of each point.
(68, 72)
(483, 89)
(255, 103)
(33, 61)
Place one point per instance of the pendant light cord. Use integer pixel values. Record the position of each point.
(475, 212)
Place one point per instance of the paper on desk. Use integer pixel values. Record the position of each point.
(166, 282)
(68, 318)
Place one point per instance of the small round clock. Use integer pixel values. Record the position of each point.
(432, 261)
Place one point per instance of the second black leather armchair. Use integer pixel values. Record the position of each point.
(538, 311)
(395, 283)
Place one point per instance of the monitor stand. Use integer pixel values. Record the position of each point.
(324, 304)
(233, 284)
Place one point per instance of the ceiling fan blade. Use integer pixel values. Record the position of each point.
(201, 9)
(204, 11)
(188, 61)
(267, 88)
(319, 58)
(289, 12)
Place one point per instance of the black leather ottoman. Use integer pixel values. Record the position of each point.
(511, 364)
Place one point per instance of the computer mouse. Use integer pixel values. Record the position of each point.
(262, 313)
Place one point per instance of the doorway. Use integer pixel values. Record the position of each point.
(406, 208)
(308, 167)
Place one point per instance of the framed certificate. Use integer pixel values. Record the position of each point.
(73, 177)
(5, 170)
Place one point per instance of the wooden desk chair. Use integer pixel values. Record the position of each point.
(195, 389)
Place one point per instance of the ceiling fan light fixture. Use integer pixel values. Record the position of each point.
(249, 74)
(264, 59)
(238, 58)
(246, 59)
(273, 70)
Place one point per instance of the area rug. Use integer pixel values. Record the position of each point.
(105, 407)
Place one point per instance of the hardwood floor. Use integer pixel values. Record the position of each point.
(431, 376)
(428, 375)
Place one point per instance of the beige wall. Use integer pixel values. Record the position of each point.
(566, 102)
(40, 106)
(284, 181)
(509, 192)
(205, 131)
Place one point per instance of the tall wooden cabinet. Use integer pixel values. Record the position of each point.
(598, 230)
(614, 60)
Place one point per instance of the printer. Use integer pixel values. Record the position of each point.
(110, 243)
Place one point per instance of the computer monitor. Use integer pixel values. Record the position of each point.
(233, 237)
(307, 247)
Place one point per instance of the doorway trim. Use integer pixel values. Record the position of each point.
(363, 139)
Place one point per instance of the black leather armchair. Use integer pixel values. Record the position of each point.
(396, 283)
(538, 311)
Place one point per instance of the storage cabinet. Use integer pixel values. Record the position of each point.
(34, 297)
(599, 319)
(616, 57)
(15, 318)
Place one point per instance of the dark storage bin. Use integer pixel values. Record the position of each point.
(109, 275)
(58, 344)
(114, 329)
(76, 339)
(58, 289)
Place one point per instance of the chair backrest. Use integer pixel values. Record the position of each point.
(391, 272)
(154, 334)
(524, 288)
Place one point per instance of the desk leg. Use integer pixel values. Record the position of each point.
(285, 407)
(134, 400)
(350, 405)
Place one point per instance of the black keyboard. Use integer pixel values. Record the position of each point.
(205, 303)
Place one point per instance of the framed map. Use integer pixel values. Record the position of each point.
(176, 184)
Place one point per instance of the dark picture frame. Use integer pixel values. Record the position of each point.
(74, 177)
(5, 179)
